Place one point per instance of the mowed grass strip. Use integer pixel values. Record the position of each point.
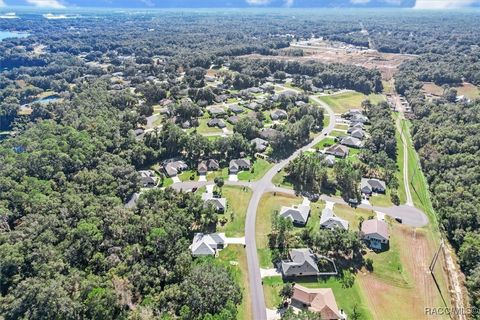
(268, 205)
(235, 258)
(259, 168)
(237, 204)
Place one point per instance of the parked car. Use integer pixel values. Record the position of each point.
(398, 219)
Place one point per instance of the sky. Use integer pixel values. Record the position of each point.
(419, 4)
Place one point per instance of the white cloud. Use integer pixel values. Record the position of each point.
(2, 3)
(443, 4)
(289, 3)
(55, 4)
(258, 2)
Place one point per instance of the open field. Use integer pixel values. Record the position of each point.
(326, 142)
(237, 203)
(342, 102)
(381, 200)
(466, 89)
(268, 205)
(400, 275)
(336, 52)
(235, 258)
(280, 179)
(259, 168)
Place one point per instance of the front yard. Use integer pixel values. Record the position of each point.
(259, 168)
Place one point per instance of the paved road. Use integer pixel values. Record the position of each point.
(254, 276)
(410, 215)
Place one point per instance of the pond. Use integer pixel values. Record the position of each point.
(12, 34)
(48, 99)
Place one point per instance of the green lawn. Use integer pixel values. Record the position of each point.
(341, 103)
(237, 204)
(203, 128)
(220, 173)
(352, 215)
(346, 298)
(234, 258)
(259, 168)
(341, 126)
(381, 200)
(188, 175)
(315, 213)
(326, 142)
(336, 133)
(268, 205)
(280, 179)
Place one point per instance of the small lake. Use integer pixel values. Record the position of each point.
(11, 34)
(48, 99)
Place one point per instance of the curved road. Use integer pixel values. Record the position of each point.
(259, 309)
(409, 214)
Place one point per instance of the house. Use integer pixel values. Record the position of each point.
(233, 119)
(318, 300)
(354, 126)
(174, 167)
(359, 118)
(259, 144)
(278, 114)
(298, 214)
(268, 133)
(328, 220)
(207, 165)
(375, 232)
(148, 178)
(221, 98)
(216, 123)
(350, 141)
(219, 204)
(253, 106)
(369, 186)
(329, 160)
(207, 244)
(237, 165)
(337, 150)
(357, 133)
(301, 262)
(216, 111)
(235, 108)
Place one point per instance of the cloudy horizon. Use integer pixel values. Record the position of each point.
(417, 4)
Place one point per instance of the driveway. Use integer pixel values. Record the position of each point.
(270, 272)
(239, 240)
(232, 177)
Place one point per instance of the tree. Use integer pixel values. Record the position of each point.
(287, 291)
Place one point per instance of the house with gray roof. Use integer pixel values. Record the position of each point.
(337, 150)
(207, 165)
(235, 108)
(233, 119)
(216, 111)
(237, 165)
(219, 204)
(268, 133)
(329, 220)
(278, 114)
(216, 123)
(148, 178)
(173, 167)
(357, 133)
(301, 262)
(354, 126)
(207, 244)
(298, 214)
(259, 144)
(350, 141)
(368, 186)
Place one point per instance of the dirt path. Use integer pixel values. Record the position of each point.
(409, 200)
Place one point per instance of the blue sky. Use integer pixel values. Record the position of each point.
(60, 4)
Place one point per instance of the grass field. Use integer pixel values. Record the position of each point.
(341, 126)
(381, 200)
(401, 184)
(220, 173)
(259, 168)
(346, 298)
(341, 103)
(337, 133)
(280, 179)
(188, 175)
(234, 257)
(466, 89)
(326, 142)
(237, 203)
(268, 205)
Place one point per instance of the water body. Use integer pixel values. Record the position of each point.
(48, 99)
(12, 34)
